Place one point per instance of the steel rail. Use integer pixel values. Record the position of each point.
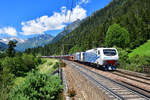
(101, 85)
(107, 89)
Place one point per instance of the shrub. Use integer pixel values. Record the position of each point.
(37, 86)
(14, 65)
(20, 65)
(62, 64)
(123, 57)
(56, 65)
(71, 92)
(61, 96)
(6, 83)
(140, 62)
(29, 61)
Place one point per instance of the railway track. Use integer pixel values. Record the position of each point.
(135, 78)
(114, 89)
(141, 79)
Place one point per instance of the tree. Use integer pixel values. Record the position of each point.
(74, 49)
(11, 51)
(37, 86)
(117, 36)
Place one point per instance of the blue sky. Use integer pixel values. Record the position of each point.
(28, 18)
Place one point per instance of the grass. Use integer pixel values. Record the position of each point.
(47, 66)
(142, 50)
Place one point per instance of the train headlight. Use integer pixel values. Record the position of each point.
(109, 68)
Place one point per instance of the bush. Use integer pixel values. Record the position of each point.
(6, 83)
(62, 64)
(123, 57)
(14, 65)
(11, 67)
(61, 96)
(56, 65)
(138, 62)
(30, 61)
(37, 86)
(20, 65)
(71, 92)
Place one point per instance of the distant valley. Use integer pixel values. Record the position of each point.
(39, 40)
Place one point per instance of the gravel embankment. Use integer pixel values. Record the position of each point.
(85, 90)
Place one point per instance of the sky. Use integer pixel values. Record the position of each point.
(28, 18)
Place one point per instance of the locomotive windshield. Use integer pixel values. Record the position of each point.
(109, 52)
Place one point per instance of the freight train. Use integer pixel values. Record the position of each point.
(105, 58)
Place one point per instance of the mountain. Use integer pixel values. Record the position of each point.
(7, 39)
(4, 41)
(40, 40)
(3, 46)
(133, 15)
(67, 30)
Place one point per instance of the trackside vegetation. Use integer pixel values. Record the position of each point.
(37, 86)
(27, 77)
(142, 50)
(14, 67)
(137, 62)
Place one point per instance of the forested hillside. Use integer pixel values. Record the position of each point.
(67, 30)
(132, 15)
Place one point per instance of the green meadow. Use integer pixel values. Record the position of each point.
(142, 50)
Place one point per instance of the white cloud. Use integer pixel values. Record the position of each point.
(8, 30)
(83, 2)
(55, 22)
(78, 13)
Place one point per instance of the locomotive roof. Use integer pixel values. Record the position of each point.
(99, 49)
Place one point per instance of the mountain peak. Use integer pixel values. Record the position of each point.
(39, 40)
(67, 30)
(7, 39)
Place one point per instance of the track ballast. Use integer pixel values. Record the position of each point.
(115, 90)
